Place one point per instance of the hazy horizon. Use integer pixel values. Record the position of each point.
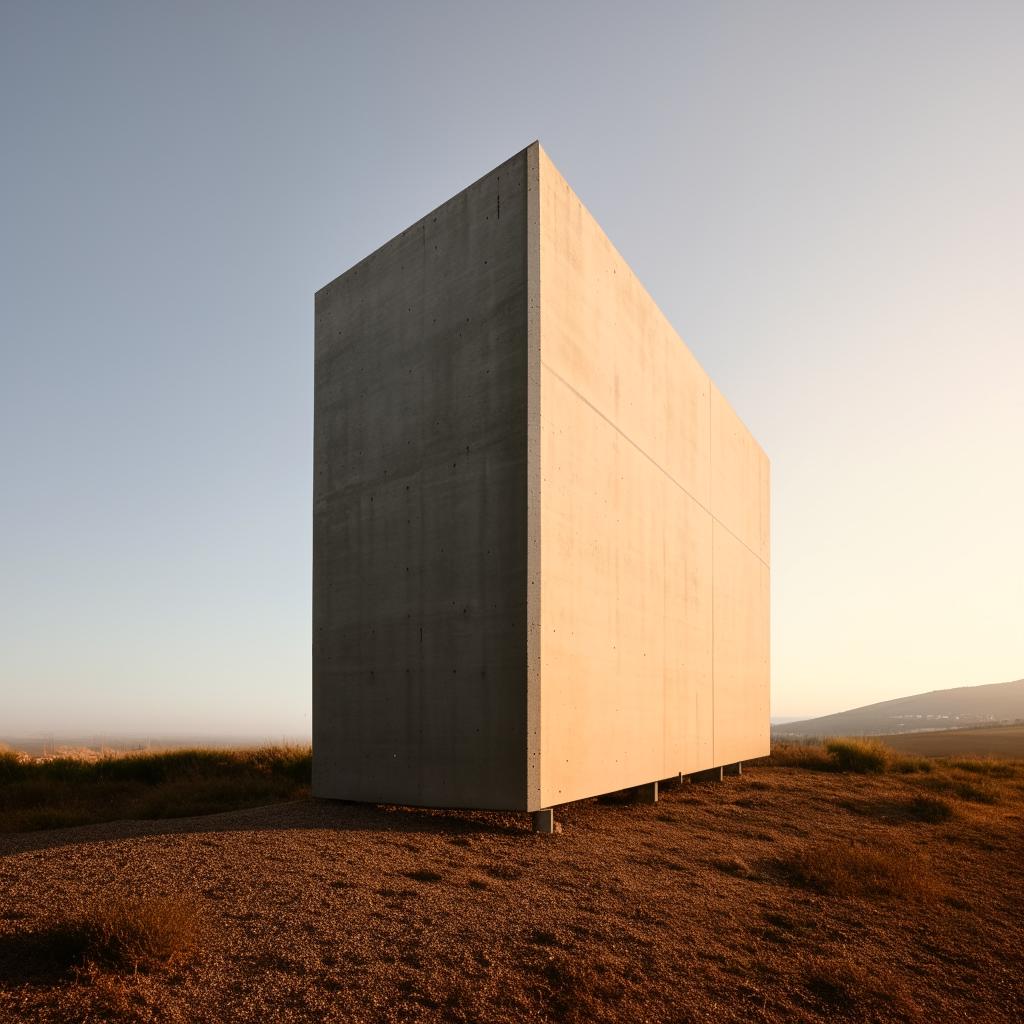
(824, 200)
(97, 738)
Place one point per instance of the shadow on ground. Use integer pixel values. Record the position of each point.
(333, 815)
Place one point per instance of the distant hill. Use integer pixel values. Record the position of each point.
(959, 707)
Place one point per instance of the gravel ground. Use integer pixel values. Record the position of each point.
(683, 911)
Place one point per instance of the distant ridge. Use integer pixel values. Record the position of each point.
(960, 707)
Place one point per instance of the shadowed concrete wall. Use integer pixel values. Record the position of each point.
(540, 532)
(419, 523)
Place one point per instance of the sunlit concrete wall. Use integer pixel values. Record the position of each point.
(540, 532)
(653, 532)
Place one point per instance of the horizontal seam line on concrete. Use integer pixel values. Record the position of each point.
(654, 463)
(361, 484)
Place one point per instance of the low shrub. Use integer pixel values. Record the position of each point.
(135, 934)
(910, 765)
(790, 754)
(856, 869)
(859, 755)
(930, 809)
(851, 990)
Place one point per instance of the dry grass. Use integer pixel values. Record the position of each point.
(66, 791)
(791, 754)
(864, 756)
(842, 988)
(909, 765)
(855, 868)
(133, 934)
(973, 779)
(931, 809)
(844, 754)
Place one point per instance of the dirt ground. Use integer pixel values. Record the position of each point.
(996, 741)
(723, 902)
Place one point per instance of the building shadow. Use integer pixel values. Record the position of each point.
(39, 957)
(308, 814)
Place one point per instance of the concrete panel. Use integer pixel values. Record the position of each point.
(604, 334)
(739, 478)
(689, 704)
(741, 649)
(420, 511)
(602, 604)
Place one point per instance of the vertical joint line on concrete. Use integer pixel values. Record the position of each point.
(711, 505)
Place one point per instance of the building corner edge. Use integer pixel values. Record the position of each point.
(533, 480)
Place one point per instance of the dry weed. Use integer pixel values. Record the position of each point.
(132, 934)
(905, 765)
(843, 988)
(866, 755)
(856, 869)
(787, 754)
(930, 809)
(863, 756)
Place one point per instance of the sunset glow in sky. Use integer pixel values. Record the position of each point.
(825, 199)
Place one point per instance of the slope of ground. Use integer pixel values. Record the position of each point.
(940, 709)
(783, 895)
(997, 741)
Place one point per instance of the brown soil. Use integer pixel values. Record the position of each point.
(996, 741)
(785, 895)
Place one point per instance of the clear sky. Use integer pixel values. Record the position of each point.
(826, 199)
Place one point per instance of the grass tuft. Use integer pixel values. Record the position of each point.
(930, 809)
(856, 869)
(127, 934)
(140, 933)
(864, 756)
(904, 765)
(788, 754)
(846, 989)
